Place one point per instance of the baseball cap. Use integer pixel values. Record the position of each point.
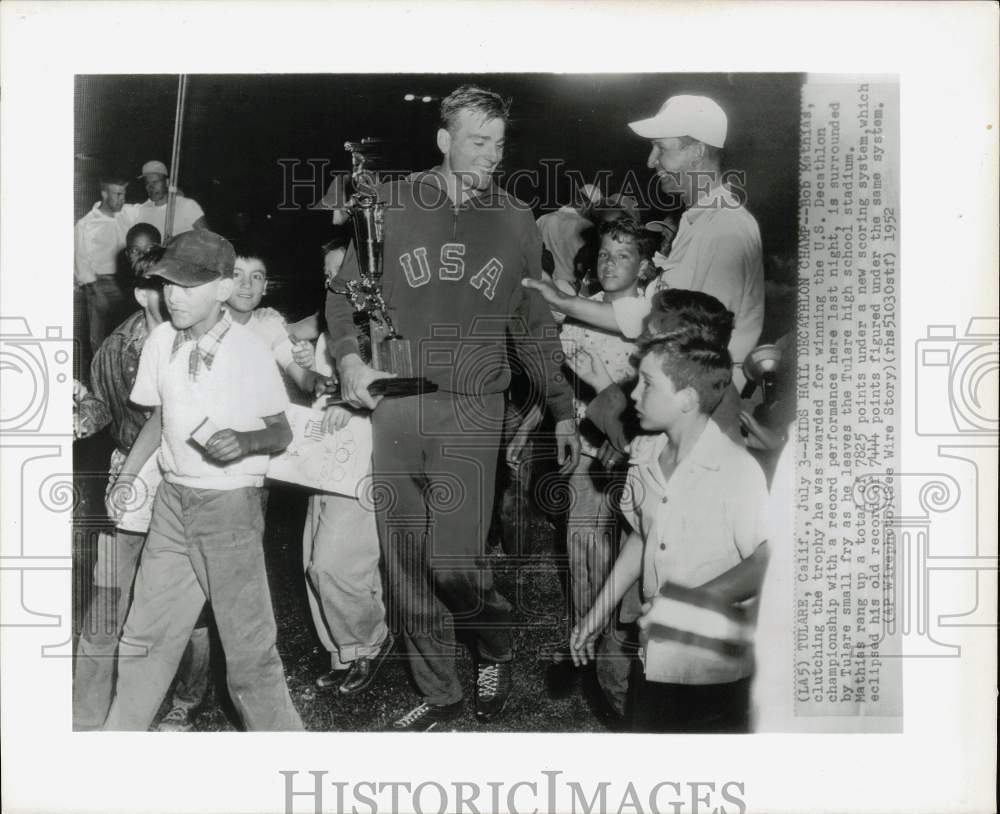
(153, 168)
(662, 226)
(195, 258)
(624, 205)
(699, 117)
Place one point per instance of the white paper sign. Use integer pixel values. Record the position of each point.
(329, 462)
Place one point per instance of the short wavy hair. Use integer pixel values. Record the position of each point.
(680, 312)
(646, 242)
(692, 362)
(479, 100)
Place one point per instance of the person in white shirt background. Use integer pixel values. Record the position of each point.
(188, 214)
(99, 237)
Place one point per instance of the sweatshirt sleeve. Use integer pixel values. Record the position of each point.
(342, 332)
(538, 346)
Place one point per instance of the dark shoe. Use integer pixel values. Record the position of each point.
(493, 681)
(426, 717)
(331, 679)
(362, 671)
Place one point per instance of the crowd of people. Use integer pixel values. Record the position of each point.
(624, 342)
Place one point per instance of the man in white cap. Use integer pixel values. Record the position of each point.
(717, 249)
(188, 214)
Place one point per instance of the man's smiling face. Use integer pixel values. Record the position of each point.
(473, 148)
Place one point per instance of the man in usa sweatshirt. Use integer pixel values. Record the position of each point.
(456, 249)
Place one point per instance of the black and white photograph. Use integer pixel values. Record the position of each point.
(430, 430)
(479, 567)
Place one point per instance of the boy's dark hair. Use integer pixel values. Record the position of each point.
(646, 242)
(678, 313)
(250, 249)
(141, 229)
(148, 259)
(470, 97)
(692, 362)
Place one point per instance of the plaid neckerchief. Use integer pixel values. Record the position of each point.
(206, 347)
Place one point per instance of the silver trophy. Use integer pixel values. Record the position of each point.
(389, 351)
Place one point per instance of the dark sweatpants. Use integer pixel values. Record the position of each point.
(434, 463)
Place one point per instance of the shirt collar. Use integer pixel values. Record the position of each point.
(718, 197)
(436, 177)
(206, 346)
(96, 209)
(136, 327)
(706, 453)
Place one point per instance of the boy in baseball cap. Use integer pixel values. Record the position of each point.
(200, 372)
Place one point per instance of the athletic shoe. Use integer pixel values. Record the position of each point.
(493, 680)
(426, 717)
(177, 720)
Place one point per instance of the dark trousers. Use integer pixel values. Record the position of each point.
(434, 463)
(698, 708)
(107, 303)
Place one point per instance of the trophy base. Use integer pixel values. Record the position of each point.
(390, 353)
(389, 388)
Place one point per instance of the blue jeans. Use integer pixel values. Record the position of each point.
(203, 544)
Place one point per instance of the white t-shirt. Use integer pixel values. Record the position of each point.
(270, 326)
(240, 389)
(613, 351)
(562, 233)
(97, 240)
(186, 212)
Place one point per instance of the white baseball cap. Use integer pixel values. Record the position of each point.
(699, 117)
(154, 168)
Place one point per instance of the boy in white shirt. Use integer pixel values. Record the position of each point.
(295, 358)
(340, 558)
(592, 522)
(695, 500)
(218, 414)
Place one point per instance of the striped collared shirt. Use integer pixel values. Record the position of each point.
(206, 347)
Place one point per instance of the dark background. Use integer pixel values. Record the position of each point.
(238, 127)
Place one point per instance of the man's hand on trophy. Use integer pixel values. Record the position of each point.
(355, 376)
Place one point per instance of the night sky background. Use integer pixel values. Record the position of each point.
(238, 127)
